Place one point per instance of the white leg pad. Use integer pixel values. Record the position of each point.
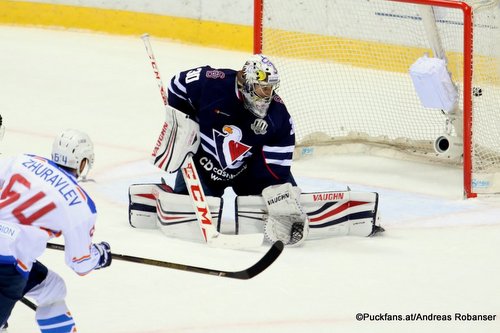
(176, 217)
(154, 206)
(142, 206)
(330, 214)
(341, 213)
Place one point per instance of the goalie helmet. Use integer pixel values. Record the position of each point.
(260, 79)
(74, 149)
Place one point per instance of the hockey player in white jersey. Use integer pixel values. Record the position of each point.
(40, 199)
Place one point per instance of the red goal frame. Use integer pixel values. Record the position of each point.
(467, 70)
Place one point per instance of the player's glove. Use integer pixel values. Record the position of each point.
(104, 251)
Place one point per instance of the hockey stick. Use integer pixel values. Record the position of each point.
(271, 255)
(195, 189)
(29, 303)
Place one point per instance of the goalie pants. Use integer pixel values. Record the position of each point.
(13, 286)
(245, 184)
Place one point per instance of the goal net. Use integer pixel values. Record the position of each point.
(345, 70)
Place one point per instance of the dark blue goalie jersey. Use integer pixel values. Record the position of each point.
(236, 146)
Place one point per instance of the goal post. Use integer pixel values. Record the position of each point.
(346, 77)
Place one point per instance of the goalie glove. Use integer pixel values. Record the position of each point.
(286, 220)
(179, 137)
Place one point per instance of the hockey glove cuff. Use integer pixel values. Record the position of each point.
(104, 251)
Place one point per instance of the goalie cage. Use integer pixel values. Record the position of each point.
(352, 58)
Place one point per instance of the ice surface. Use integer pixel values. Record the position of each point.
(439, 255)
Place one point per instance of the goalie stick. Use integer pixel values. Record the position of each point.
(195, 189)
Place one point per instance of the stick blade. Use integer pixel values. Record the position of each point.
(272, 254)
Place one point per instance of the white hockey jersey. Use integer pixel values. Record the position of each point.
(39, 201)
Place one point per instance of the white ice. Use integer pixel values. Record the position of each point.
(439, 255)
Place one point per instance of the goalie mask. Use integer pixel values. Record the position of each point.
(74, 149)
(259, 81)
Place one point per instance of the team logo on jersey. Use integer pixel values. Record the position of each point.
(259, 126)
(215, 74)
(230, 150)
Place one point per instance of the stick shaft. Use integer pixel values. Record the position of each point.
(271, 255)
(29, 304)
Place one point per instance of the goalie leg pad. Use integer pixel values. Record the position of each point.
(330, 213)
(341, 213)
(176, 217)
(153, 206)
(142, 204)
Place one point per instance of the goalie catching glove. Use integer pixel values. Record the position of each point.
(286, 220)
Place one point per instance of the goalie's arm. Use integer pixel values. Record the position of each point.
(184, 91)
(273, 165)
